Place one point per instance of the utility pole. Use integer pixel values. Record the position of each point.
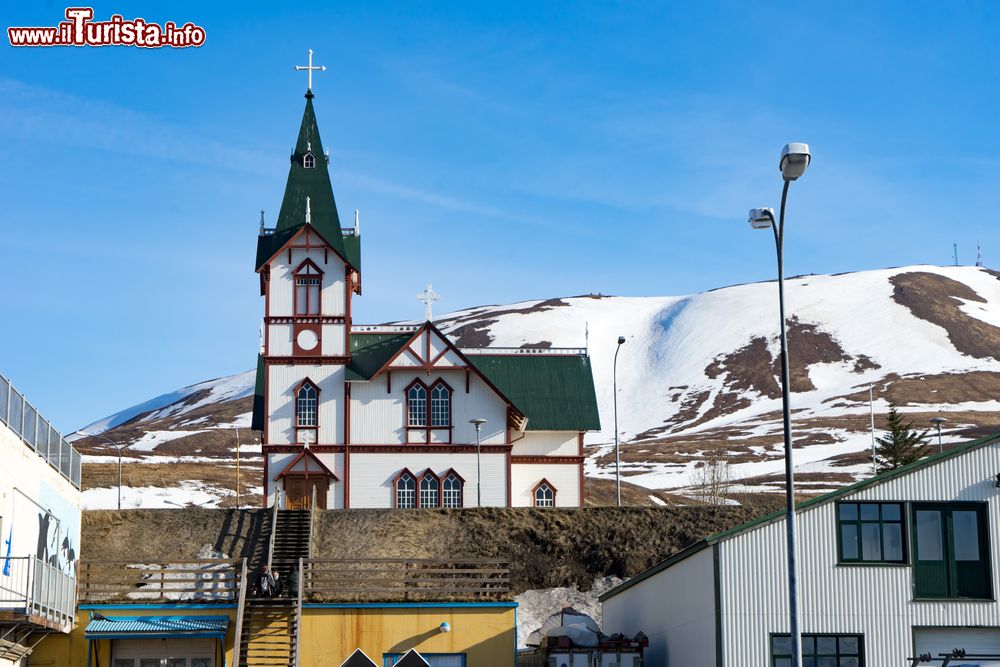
(955, 249)
(871, 409)
(237, 467)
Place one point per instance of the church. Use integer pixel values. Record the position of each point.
(380, 416)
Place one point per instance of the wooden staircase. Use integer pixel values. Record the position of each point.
(268, 639)
(269, 627)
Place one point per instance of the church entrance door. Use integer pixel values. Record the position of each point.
(299, 492)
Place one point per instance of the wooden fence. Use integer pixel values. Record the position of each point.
(400, 580)
(210, 580)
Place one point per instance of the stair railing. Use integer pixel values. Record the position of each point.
(312, 521)
(298, 611)
(237, 644)
(274, 529)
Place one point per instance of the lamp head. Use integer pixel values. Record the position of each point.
(445, 627)
(794, 161)
(621, 340)
(477, 422)
(761, 218)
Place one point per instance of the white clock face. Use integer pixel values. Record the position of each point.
(307, 339)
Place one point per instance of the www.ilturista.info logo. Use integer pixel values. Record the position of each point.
(81, 30)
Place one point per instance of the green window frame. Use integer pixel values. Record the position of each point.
(871, 533)
(951, 551)
(820, 650)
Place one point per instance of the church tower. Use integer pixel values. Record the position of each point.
(309, 271)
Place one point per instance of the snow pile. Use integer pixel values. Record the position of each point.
(190, 492)
(535, 606)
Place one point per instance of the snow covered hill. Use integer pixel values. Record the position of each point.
(698, 375)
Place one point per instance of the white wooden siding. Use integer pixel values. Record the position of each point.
(875, 601)
(335, 462)
(547, 443)
(279, 342)
(526, 476)
(372, 476)
(282, 381)
(332, 344)
(378, 417)
(687, 635)
(282, 283)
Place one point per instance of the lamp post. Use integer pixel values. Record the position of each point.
(614, 385)
(794, 160)
(478, 423)
(119, 448)
(937, 421)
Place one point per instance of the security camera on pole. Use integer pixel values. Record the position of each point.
(795, 159)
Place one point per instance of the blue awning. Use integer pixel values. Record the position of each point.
(156, 627)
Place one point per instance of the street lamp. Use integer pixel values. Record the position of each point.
(116, 446)
(794, 161)
(614, 384)
(937, 422)
(478, 423)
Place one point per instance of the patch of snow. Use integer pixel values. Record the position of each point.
(150, 440)
(189, 492)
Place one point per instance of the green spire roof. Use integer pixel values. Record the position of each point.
(312, 182)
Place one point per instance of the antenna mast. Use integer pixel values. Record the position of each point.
(955, 246)
(979, 255)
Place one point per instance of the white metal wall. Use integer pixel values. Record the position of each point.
(677, 614)
(281, 286)
(547, 443)
(372, 476)
(335, 462)
(876, 601)
(282, 381)
(526, 476)
(377, 416)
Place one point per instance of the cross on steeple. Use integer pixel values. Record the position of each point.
(310, 68)
(428, 296)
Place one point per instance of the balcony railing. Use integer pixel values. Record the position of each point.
(22, 418)
(390, 579)
(44, 595)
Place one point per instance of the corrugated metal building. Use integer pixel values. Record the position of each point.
(897, 566)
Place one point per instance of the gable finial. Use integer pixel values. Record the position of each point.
(310, 69)
(357, 223)
(428, 296)
(261, 222)
(308, 212)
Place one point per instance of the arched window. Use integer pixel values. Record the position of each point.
(429, 487)
(308, 281)
(416, 405)
(406, 495)
(306, 404)
(452, 495)
(545, 495)
(309, 161)
(440, 405)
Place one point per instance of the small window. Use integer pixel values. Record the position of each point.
(416, 405)
(951, 551)
(406, 496)
(309, 161)
(545, 495)
(820, 650)
(452, 495)
(306, 400)
(440, 405)
(429, 487)
(871, 533)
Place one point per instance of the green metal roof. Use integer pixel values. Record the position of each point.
(352, 245)
(371, 351)
(156, 627)
(555, 392)
(302, 182)
(715, 538)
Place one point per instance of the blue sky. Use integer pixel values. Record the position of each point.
(503, 151)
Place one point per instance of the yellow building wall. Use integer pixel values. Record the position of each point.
(71, 650)
(486, 635)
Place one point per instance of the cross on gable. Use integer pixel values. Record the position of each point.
(428, 296)
(310, 68)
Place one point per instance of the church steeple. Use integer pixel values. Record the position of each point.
(309, 177)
